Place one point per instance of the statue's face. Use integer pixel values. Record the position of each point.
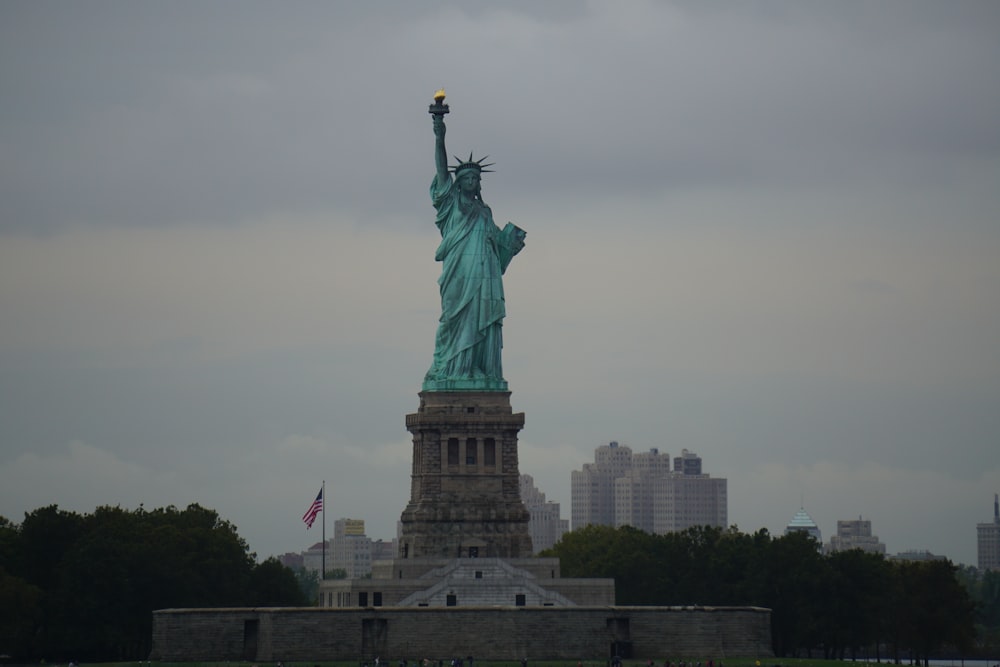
(469, 182)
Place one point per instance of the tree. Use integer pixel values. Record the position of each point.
(625, 554)
(274, 585)
(308, 582)
(45, 535)
(932, 608)
(988, 609)
(794, 572)
(20, 614)
(586, 552)
(90, 583)
(842, 602)
(856, 593)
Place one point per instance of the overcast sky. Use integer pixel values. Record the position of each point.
(766, 232)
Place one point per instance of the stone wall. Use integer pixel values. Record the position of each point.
(497, 633)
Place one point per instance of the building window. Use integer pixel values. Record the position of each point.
(519, 600)
(470, 452)
(377, 599)
(479, 574)
(453, 451)
(362, 598)
(489, 452)
(451, 600)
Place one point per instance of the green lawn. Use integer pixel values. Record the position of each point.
(636, 662)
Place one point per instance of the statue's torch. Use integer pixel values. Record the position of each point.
(439, 108)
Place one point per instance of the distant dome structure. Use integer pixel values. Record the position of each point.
(804, 523)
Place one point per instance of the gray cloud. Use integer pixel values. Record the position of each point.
(131, 115)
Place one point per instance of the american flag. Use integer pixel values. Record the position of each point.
(314, 509)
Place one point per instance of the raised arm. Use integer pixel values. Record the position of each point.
(440, 155)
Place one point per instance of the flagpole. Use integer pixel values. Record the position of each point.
(322, 575)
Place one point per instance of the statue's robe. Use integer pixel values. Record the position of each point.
(475, 253)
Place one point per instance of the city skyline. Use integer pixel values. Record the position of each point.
(847, 530)
(765, 233)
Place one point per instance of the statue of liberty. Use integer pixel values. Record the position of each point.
(474, 253)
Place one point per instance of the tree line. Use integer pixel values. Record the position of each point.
(83, 587)
(845, 604)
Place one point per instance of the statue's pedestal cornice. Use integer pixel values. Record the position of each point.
(465, 385)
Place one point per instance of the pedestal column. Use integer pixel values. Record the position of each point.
(465, 498)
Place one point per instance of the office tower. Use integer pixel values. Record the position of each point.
(988, 540)
(804, 523)
(855, 534)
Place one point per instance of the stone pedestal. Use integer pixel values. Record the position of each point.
(465, 500)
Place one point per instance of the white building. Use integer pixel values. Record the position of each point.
(641, 490)
(351, 549)
(855, 534)
(546, 526)
(593, 489)
(312, 558)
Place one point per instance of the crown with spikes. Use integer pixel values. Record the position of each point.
(477, 165)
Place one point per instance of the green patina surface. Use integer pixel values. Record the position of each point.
(474, 253)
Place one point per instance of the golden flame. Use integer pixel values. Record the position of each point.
(439, 95)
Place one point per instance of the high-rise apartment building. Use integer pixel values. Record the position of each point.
(642, 490)
(313, 557)
(545, 526)
(988, 540)
(592, 488)
(351, 550)
(855, 534)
